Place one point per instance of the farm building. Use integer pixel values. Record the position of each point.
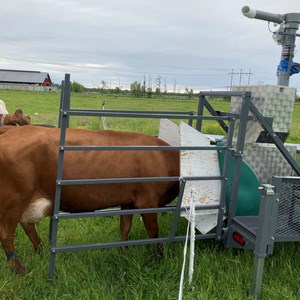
(25, 77)
(25, 80)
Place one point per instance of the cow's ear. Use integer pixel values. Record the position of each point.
(19, 112)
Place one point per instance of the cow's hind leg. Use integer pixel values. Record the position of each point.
(8, 225)
(31, 232)
(125, 224)
(151, 225)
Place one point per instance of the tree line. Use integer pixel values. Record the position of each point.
(137, 89)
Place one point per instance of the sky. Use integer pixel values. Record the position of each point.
(194, 44)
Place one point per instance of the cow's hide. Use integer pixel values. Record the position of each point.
(29, 159)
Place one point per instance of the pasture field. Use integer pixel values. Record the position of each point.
(136, 273)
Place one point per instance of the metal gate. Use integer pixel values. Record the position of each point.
(66, 112)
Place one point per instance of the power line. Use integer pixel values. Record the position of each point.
(241, 74)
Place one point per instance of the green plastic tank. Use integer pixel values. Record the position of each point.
(248, 193)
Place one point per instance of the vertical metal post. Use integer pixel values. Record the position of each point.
(54, 222)
(177, 211)
(190, 122)
(257, 276)
(227, 158)
(200, 111)
(264, 237)
(238, 155)
(292, 21)
(61, 103)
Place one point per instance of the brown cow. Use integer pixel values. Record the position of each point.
(16, 119)
(28, 160)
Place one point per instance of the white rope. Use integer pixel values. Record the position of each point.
(184, 260)
(192, 234)
(192, 254)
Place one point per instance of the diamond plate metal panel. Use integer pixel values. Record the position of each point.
(266, 160)
(272, 101)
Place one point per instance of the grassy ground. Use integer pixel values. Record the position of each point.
(135, 273)
(43, 108)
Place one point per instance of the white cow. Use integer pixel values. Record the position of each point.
(3, 109)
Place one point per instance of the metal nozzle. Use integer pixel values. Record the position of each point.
(262, 15)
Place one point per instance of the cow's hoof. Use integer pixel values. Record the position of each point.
(17, 267)
(159, 250)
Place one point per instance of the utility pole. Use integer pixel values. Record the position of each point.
(249, 76)
(231, 80)
(240, 73)
(174, 89)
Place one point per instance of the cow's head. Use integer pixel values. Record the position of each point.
(16, 119)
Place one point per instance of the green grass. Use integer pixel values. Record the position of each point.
(136, 273)
(43, 108)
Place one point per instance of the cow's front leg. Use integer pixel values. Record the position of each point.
(15, 263)
(7, 231)
(8, 225)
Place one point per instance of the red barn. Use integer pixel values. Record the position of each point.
(25, 77)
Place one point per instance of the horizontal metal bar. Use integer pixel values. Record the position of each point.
(138, 111)
(222, 93)
(286, 238)
(289, 179)
(60, 249)
(131, 180)
(136, 115)
(113, 212)
(119, 212)
(140, 148)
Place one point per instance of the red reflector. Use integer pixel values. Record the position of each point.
(239, 238)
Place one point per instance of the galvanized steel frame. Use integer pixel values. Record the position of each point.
(230, 152)
(261, 239)
(66, 112)
(269, 204)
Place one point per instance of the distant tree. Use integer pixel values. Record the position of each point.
(144, 86)
(76, 87)
(102, 86)
(189, 93)
(157, 91)
(136, 89)
(158, 85)
(149, 92)
(117, 90)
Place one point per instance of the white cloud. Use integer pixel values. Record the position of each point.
(129, 39)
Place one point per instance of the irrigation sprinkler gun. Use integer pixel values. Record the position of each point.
(285, 36)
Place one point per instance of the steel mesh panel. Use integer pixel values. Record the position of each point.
(288, 221)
